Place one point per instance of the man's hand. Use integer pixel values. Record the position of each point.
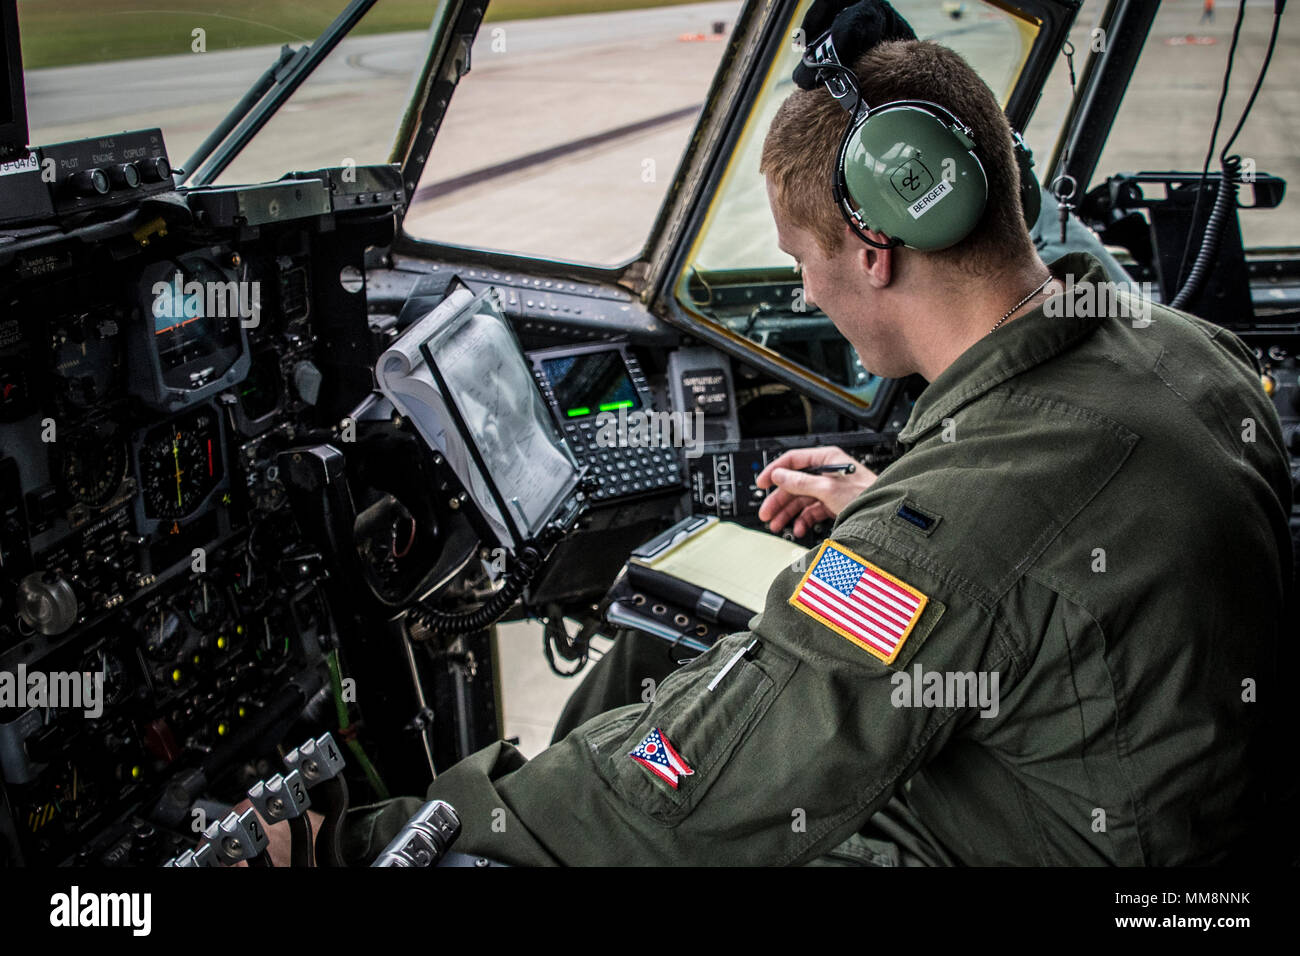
(279, 844)
(808, 499)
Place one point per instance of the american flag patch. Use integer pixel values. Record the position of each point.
(859, 601)
(656, 754)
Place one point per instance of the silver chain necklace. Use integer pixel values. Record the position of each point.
(1009, 311)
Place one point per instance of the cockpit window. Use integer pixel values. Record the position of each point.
(564, 137)
(347, 111)
(183, 65)
(1182, 62)
(739, 233)
(736, 276)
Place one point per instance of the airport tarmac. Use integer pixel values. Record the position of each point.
(600, 107)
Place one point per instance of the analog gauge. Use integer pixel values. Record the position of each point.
(104, 665)
(180, 463)
(205, 605)
(163, 633)
(93, 470)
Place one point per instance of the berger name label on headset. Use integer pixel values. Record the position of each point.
(912, 178)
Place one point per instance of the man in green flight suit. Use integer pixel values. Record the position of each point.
(1036, 638)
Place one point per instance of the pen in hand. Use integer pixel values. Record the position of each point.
(847, 468)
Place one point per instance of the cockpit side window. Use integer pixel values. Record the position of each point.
(564, 137)
(737, 277)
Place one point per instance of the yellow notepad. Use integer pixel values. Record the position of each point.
(727, 559)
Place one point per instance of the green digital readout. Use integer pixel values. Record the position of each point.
(590, 383)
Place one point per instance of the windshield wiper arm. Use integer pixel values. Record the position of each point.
(272, 89)
(285, 61)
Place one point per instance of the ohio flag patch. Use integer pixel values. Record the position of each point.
(859, 601)
(656, 754)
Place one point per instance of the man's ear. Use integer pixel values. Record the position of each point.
(876, 264)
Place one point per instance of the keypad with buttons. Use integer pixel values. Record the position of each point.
(622, 470)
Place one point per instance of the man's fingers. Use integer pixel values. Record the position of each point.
(802, 458)
(789, 459)
(789, 508)
(775, 501)
(799, 484)
(810, 516)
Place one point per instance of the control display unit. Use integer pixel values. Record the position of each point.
(601, 399)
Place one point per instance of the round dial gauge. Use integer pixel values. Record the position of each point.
(163, 633)
(180, 463)
(104, 665)
(93, 470)
(205, 605)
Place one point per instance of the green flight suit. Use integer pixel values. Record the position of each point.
(1094, 508)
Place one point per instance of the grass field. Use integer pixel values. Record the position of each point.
(62, 32)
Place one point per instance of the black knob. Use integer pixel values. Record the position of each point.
(90, 182)
(125, 176)
(144, 843)
(155, 169)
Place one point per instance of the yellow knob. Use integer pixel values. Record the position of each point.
(1270, 386)
(221, 642)
(176, 676)
(135, 772)
(221, 730)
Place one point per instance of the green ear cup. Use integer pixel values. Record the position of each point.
(911, 175)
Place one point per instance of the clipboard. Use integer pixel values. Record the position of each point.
(698, 580)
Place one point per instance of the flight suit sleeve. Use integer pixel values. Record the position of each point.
(771, 748)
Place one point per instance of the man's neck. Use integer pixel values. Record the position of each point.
(948, 321)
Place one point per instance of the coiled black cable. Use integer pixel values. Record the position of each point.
(1226, 199)
(451, 623)
(1225, 204)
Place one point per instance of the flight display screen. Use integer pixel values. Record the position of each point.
(590, 383)
(196, 309)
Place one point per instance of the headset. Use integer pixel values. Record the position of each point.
(909, 168)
